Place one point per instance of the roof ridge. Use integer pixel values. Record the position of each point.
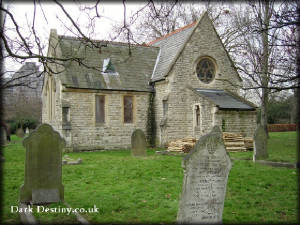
(171, 33)
(105, 41)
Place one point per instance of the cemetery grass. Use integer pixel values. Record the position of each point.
(147, 190)
(282, 147)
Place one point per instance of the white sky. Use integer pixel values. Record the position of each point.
(112, 13)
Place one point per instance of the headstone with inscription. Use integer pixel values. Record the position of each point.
(43, 167)
(138, 143)
(260, 144)
(20, 132)
(206, 170)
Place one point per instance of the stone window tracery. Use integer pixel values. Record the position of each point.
(206, 70)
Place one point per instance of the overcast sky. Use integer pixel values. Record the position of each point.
(112, 13)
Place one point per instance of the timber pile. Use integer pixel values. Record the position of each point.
(234, 142)
(182, 145)
(249, 143)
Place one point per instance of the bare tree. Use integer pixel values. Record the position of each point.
(262, 42)
(25, 43)
(156, 19)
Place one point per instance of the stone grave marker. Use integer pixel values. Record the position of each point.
(3, 136)
(260, 144)
(69, 161)
(27, 130)
(43, 167)
(138, 143)
(20, 132)
(206, 170)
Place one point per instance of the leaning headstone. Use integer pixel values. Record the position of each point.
(3, 136)
(260, 144)
(206, 170)
(43, 167)
(138, 143)
(20, 132)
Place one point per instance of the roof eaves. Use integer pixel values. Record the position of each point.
(106, 89)
(242, 99)
(202, 95)
(158, 79)
(233, 95)
(169, 34)
(236, 109)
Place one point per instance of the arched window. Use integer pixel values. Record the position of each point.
(206, 70)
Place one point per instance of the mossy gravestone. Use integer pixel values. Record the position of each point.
(260, 144)
(138, 143)
(20, 132)
(206, 170)
(43, 167)
(3, 136)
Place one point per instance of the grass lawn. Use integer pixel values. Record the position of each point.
(141, 190)
(281, 147)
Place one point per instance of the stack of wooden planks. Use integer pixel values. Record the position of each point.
(235, 142)
(248, 143)
(182, 145)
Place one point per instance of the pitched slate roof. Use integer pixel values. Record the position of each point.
(225, 100)
(132, 72)
(170, 45)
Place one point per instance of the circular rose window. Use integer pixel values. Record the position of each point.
(206, 70)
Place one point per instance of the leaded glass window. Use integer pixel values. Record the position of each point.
(100, 109)
(128, 109)
(206, 70)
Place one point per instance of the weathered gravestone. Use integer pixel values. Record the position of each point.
(68, 161)
(206, 170)
(3, 135)
(260, 144)
(20, 132)
(138, 143)
(27, 130)
(43, 167)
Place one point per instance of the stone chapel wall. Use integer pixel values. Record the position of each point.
(86, 134)
(243, 122)
(203, 42)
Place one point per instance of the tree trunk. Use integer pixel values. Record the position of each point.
(265, 68)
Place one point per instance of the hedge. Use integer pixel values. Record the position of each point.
(281, 127)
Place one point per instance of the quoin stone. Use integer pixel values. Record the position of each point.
(43, 167)
(260, 144)
(138, 143)
(206, 170)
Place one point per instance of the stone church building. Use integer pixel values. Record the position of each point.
(185, 79)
